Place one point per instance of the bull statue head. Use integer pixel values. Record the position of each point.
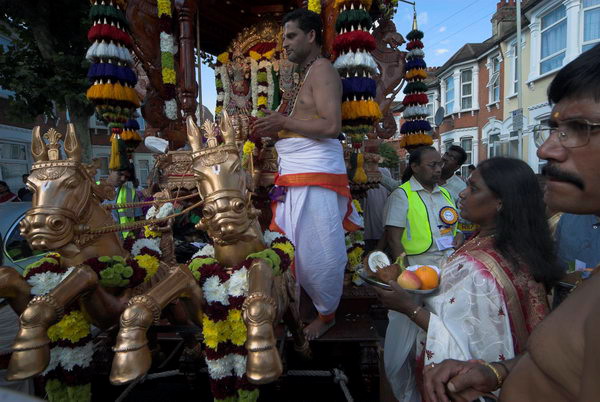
(222, 182)
(62, 190)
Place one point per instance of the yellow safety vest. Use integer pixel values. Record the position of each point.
(125, 195)
(418, 221)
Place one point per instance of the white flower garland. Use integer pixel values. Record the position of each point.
(415, 53)
(167, 43)
(44, 282)
(270, 85)
(414, 111)
(68, 358)
(221, 368)
(254, 86)
(226, 86)
(152, 244)
(171, 109)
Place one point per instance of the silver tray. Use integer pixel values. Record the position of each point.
(376, 282)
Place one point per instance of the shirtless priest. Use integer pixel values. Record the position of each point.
(562, 361)
(316, 207)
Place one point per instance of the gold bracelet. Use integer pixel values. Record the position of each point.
(413, 315)
(499, 379)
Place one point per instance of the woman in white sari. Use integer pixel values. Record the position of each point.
(493, 289)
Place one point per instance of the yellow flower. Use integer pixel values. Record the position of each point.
(214, 332)
(262, 101)
(249, 147)
(254, 55)
(287, 248)
(315, 6)
(355, 257)
(223, 57)
(357, 206)
(168, 75)
(149, 233)
(269, 54)
(148, 263)
(218, 110)
(164, 7)
(237, 327)
(72, 327)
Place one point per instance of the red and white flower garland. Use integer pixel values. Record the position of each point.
(224, 329)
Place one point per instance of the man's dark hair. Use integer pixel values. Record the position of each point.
(415, 157)
(522, 233)
(25, 176)
(471, 167)
(307, 21)
(578, 79)
(459, 150)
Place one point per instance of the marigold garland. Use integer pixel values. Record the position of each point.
(314, 6)
(167, 56)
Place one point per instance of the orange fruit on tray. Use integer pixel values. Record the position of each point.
(428, 276)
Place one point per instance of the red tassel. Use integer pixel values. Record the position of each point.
(415, 99)
(109, 32)
(414, 44)
(353, 41)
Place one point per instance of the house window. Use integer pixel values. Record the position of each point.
(467, 145)
(515, 72)
(554, 39)
(143, 171)
(494, 83)
(494, 145)
(591, 24)
(13, 164)
(513, 145)
(466, 89)
(447, 145)
(429, 106)
(449, 95)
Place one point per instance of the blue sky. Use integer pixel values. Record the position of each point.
(447, 24)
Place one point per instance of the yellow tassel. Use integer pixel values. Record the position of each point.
(360, 109)
(114, 163)
(360, 176)
(120, 92)
(106, 91)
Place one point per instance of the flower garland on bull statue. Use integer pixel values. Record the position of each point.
(415, 130)
(355, 248)
(112, 78)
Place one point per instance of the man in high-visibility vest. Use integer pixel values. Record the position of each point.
(420, 220)
(125, 193)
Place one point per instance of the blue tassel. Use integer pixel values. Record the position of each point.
(415, 126)
(415, 63)
(132, 124)
(359, 86)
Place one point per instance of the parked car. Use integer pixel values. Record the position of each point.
(16, 252)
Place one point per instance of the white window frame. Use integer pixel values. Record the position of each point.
(582, 24)
(449, 110)
(464, 169)
(542, 30)
(431, 106)
(494, 146)
(494, 79)
(447, 144)
(514, 78)
(462, 86)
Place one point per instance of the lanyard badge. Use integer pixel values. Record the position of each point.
(448, 216)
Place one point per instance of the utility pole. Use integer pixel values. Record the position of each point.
(519, 115)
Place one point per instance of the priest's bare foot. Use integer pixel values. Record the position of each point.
(317, 328)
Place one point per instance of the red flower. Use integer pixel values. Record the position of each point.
(236, 302)
(215, 269)
(285, 259)
(414, 44)
(216, 311)
(354, 41)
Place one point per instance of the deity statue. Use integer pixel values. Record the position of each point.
(238, 72)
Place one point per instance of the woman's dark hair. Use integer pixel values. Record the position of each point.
(2, 182)
(522, 232)
(578, 79)
(307, 21)
(415, 157)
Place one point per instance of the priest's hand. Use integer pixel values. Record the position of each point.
(269, 125)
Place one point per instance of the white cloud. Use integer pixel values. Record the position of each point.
(442, 29)
(441, 51)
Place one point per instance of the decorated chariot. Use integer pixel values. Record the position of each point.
(240, 287)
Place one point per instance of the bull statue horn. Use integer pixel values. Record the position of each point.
(227, 128)
(72, 148)
(38, 146)
(194, 135)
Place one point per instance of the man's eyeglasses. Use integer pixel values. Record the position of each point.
(572, 133)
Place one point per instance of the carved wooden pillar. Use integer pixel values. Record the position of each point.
(187, 86)
(328, 15)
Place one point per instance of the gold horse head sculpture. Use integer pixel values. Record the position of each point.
(228, 213)
(62, 192)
